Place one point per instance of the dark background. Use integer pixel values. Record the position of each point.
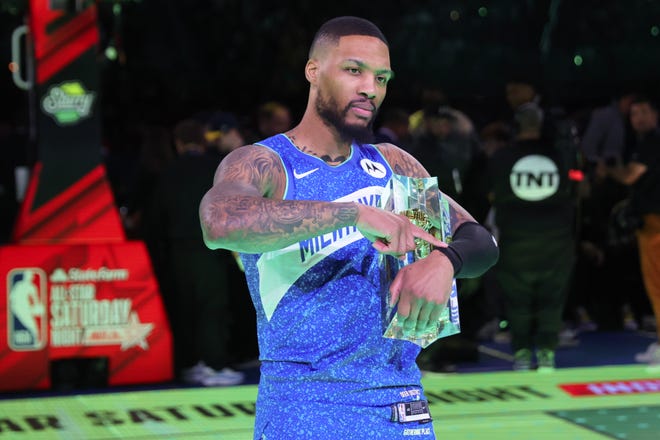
(179, 56)
(175, 58)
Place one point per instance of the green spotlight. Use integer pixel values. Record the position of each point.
(655, 31)
(111, 53)
(483, 11)
(577, 60)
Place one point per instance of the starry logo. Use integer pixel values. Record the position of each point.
(374, 169)
(68, 103)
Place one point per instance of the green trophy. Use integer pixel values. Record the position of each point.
(421, 201)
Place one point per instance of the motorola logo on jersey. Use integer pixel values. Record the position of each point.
(534, 178)
(374, 169)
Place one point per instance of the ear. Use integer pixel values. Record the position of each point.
(312, 71)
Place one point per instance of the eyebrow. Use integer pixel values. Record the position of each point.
(362, 64)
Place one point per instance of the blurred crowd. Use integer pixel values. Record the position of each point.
(551, 186)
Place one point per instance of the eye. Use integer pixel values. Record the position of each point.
(353, 70)
(382, 79)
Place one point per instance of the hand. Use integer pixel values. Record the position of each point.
(391, 234)
(422, 290)
(601, 170)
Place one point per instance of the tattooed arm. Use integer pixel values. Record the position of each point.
(405, 164)
(244, 211)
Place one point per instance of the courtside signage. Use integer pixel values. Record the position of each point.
(612, 388)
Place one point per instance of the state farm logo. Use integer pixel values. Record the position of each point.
(68, 103)
(96, 275)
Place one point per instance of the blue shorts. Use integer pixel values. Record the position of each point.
(298, 420)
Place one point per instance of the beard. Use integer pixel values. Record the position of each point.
(335, 118)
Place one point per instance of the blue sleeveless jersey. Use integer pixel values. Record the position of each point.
(318, 301)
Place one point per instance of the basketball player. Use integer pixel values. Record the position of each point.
(301, 208)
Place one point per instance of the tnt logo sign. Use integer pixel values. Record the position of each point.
(534, 178)
(26, 320)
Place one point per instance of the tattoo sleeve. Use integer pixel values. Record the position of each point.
(244, 210)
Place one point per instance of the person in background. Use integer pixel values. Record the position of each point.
(195, 283)
(447, 147)
(302, 208)
(607, 135)
(393, 128)
(534, 213)
(608, 138)
(273, 117)
(642, 174)
(222, 133)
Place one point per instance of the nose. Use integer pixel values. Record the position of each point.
(368, 87)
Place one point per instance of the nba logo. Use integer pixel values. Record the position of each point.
(26, 309)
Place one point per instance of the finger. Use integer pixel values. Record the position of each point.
(395, 290)
(435, 314)
(426, 236)
(404, 243)
(370, 237)
(411, 321)
(380, 246)
(423, 318)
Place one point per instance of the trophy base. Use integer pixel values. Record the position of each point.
(441, 328)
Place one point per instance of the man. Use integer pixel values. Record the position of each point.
(300, 207)
(273, 118)
(447, 147)
(223, 133)
(535, 216)
(195, 279)
(394, 128)
(642, 173)
(605, 136)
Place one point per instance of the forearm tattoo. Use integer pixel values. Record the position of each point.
(255, 224)
(244, 211)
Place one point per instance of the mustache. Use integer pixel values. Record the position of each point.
(371, 105)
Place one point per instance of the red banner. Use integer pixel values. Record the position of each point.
(611, 388)
(81, 301)
(56, 46)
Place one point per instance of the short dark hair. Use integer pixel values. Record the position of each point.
(529, 117)
(189, 131)
(266, 110)
(338, 27)
(645, 99)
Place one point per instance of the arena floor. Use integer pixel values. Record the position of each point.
(600, 401)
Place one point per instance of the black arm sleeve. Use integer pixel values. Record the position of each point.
(472, 251)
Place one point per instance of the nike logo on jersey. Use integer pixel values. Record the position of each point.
(305, 174)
